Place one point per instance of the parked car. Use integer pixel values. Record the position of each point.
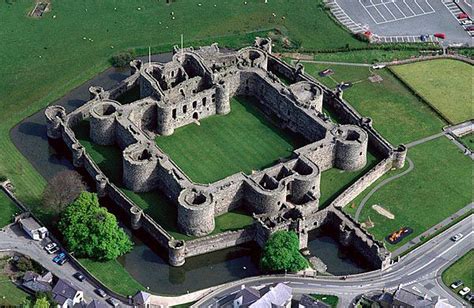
(457, 284)
(112, 301)
(60, 256)
(440, 35)
(464, 291)
(79, 276)
(466, 22)
(462, 15)
(378, 66)
(470, 28)
(345, 85)
(457, 237)
(51, 248)
(470, 297)
(62, 261)
(100, 292)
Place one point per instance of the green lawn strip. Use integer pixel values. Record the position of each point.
(184, 305)
(221, 146)
(436, 188)
(331, 300)
(445, 84)
(334, 181)
(8, 209)
(366, 56)
(468, 141)
(113, 275)
(463, 270)
(10, 294)
(396, 113)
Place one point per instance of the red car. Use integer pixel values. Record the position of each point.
(470, 28)
(440, 35)
(462, 16)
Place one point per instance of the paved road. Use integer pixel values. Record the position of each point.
(332, 63)
(382, 184)
(12, 238)
(419, 270)
(426, 139)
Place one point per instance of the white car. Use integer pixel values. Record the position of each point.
(378, 66)
(466, 22)
(51, 248)
(457, 237)
(464, 291)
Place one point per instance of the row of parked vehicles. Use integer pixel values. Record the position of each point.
(61, 258)
(464, 292)
(466, 23)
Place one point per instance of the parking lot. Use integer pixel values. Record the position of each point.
(402, 20)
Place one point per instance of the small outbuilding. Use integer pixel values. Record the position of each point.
(33, 228)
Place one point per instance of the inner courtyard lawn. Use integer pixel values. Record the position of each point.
(462, 269)
(438, 186)
(109, 160)
(446, 84)
(8, 209)
(220, 146)
(396, 113)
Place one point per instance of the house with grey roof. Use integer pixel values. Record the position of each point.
(273, 296)
(67, 294)
(34, 282)
(404, 298)
(97, 304)
(142, 299)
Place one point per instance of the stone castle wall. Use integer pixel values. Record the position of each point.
(198, 84)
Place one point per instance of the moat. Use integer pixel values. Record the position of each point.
(219, 267)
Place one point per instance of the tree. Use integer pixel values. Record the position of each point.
(41, 302)
(62, 189)
(91, 231)
(281, 253)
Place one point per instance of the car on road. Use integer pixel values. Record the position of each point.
(51, 248)
(457, 284)
(464, 291)
(457, 237)
(378, 66)
(59, 257)
(112, 301)
(79, 276)
(100, 292)
(466, 22)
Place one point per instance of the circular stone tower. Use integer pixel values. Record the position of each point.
(351, 147)
(195, 212)
(54, 116)
(102, 123)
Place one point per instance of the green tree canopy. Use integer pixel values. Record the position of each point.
(281, 253)
(91, 231)
(41, 302)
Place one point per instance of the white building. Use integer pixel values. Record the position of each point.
(66, 294)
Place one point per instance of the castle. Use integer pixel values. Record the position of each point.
(200, 83)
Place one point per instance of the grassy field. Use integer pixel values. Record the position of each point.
(7, 209)
(437, 187)
(446, 84)
(366, 56)
(462, 269)
(468, 141)
(221, 146)
(10, 295)
(328, 299)
(396, 113)
(113, 275)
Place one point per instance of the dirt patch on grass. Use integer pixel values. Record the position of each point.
(383, 211)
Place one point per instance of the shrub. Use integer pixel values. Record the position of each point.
(122, 59)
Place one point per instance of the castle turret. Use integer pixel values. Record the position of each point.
(307, 181)
(399, 156)
(77, 154)
(103, 122)
(351, 147)
(139, 167)
(176, 252)
(54, 116)
(165, 126)
(101, 185)
(135, 217)
(195, 212)
(222, 98)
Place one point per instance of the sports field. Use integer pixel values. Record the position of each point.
(242, 140)
(396, 113)
(445, 84)
(437, 187)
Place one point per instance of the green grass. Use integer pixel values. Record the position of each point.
(366, 56)
(436, 188)
(10, 295)
(113, 275)
(396, 113)
(468, 141)
(109, 160)
(8, 209)
(462, 269)
(446, 84)
(220, 146)
(334, 181)
(328, 299)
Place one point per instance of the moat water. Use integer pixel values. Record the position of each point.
(146, 265)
